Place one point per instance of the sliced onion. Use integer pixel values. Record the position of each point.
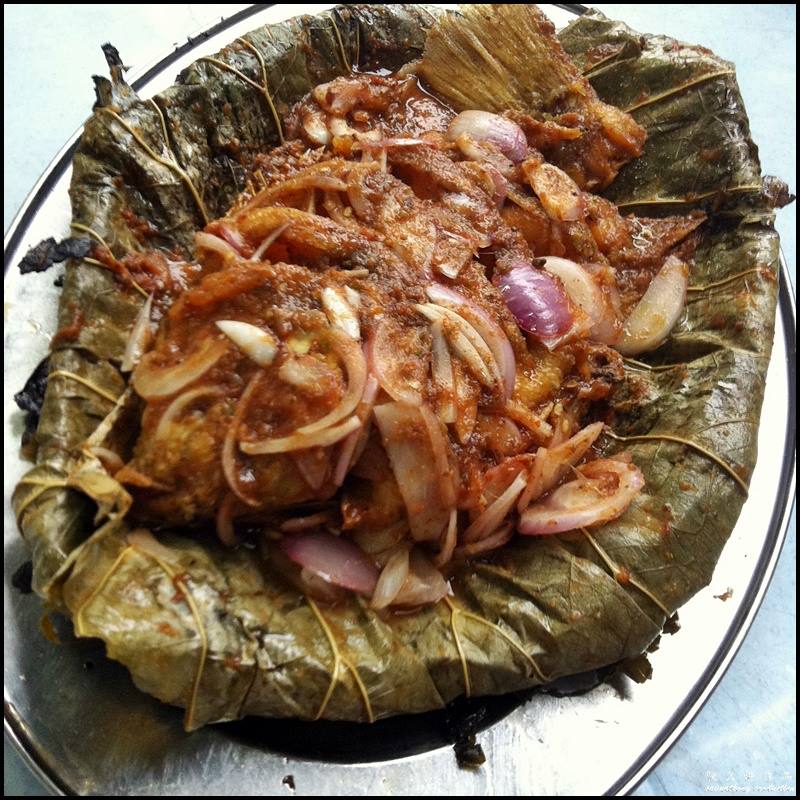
(459, 319)
(408, 444)
(258, 344)
(424, 584)
(442, 371)
(231, 435)
(269, 241)
(208, 241)
(492, 517)
(179, 404)
(488, 329)
(488, 543)
(356, 367)
(461, 342)
(604, 491)
(652, 320)
(401, 377)
(525, 417)
(466, 404)
(301, 441)
(370, 143)
(234, 237)
(537, 301)
(483, 126)
(347, 456)
(601, 324)
(448, 542)
(391, 580)
(225, 530)
(314, 465)
(442, 456)
(333, 558)
(315, 128)
(151, 381)
(552, 464)
(296, 524)
(339, 312)
(140, 337)
(560, 196)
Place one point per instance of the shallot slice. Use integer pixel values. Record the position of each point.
(601, 322)
(654, 317)
(258, 344)
(181, 402)
(551, 464)
(335, 559)
(408, 444)
(538, 302)
(560, 196)
(151, 381)
(483, 126)
(461, 343)
(603, 491)
(491, 518)
(340, 312)
(301, 441)
(489, 330)
(391, 580)
(355, 365)
(442, 371)
(139, 338)
(208, 241)
(424, 583)
(391, 354)
(350, 444)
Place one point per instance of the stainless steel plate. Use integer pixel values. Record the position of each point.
(85, 729)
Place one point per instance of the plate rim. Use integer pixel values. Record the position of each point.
(16, 730)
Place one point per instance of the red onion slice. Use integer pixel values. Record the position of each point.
(348, 450)
(489, 330)
(442, 372)
(356, 366)
(234, 238)
(216, 244)
(652, 320)
(559, 194)
(604, 491)
(139, 338)
(601, 322)
(491, 518)
(340, 313)
(552, 464)
(392, 578)
(424, 584)
(463, 339)
(483, 126)
(256, 343)
(392, 358)
(411, 453)
(151, 381)
(537, 301)
(301, 441)
(179, 404)
(334, 559)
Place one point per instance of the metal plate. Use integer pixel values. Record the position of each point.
(85, 729)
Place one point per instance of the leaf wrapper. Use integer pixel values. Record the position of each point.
(215, 631)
